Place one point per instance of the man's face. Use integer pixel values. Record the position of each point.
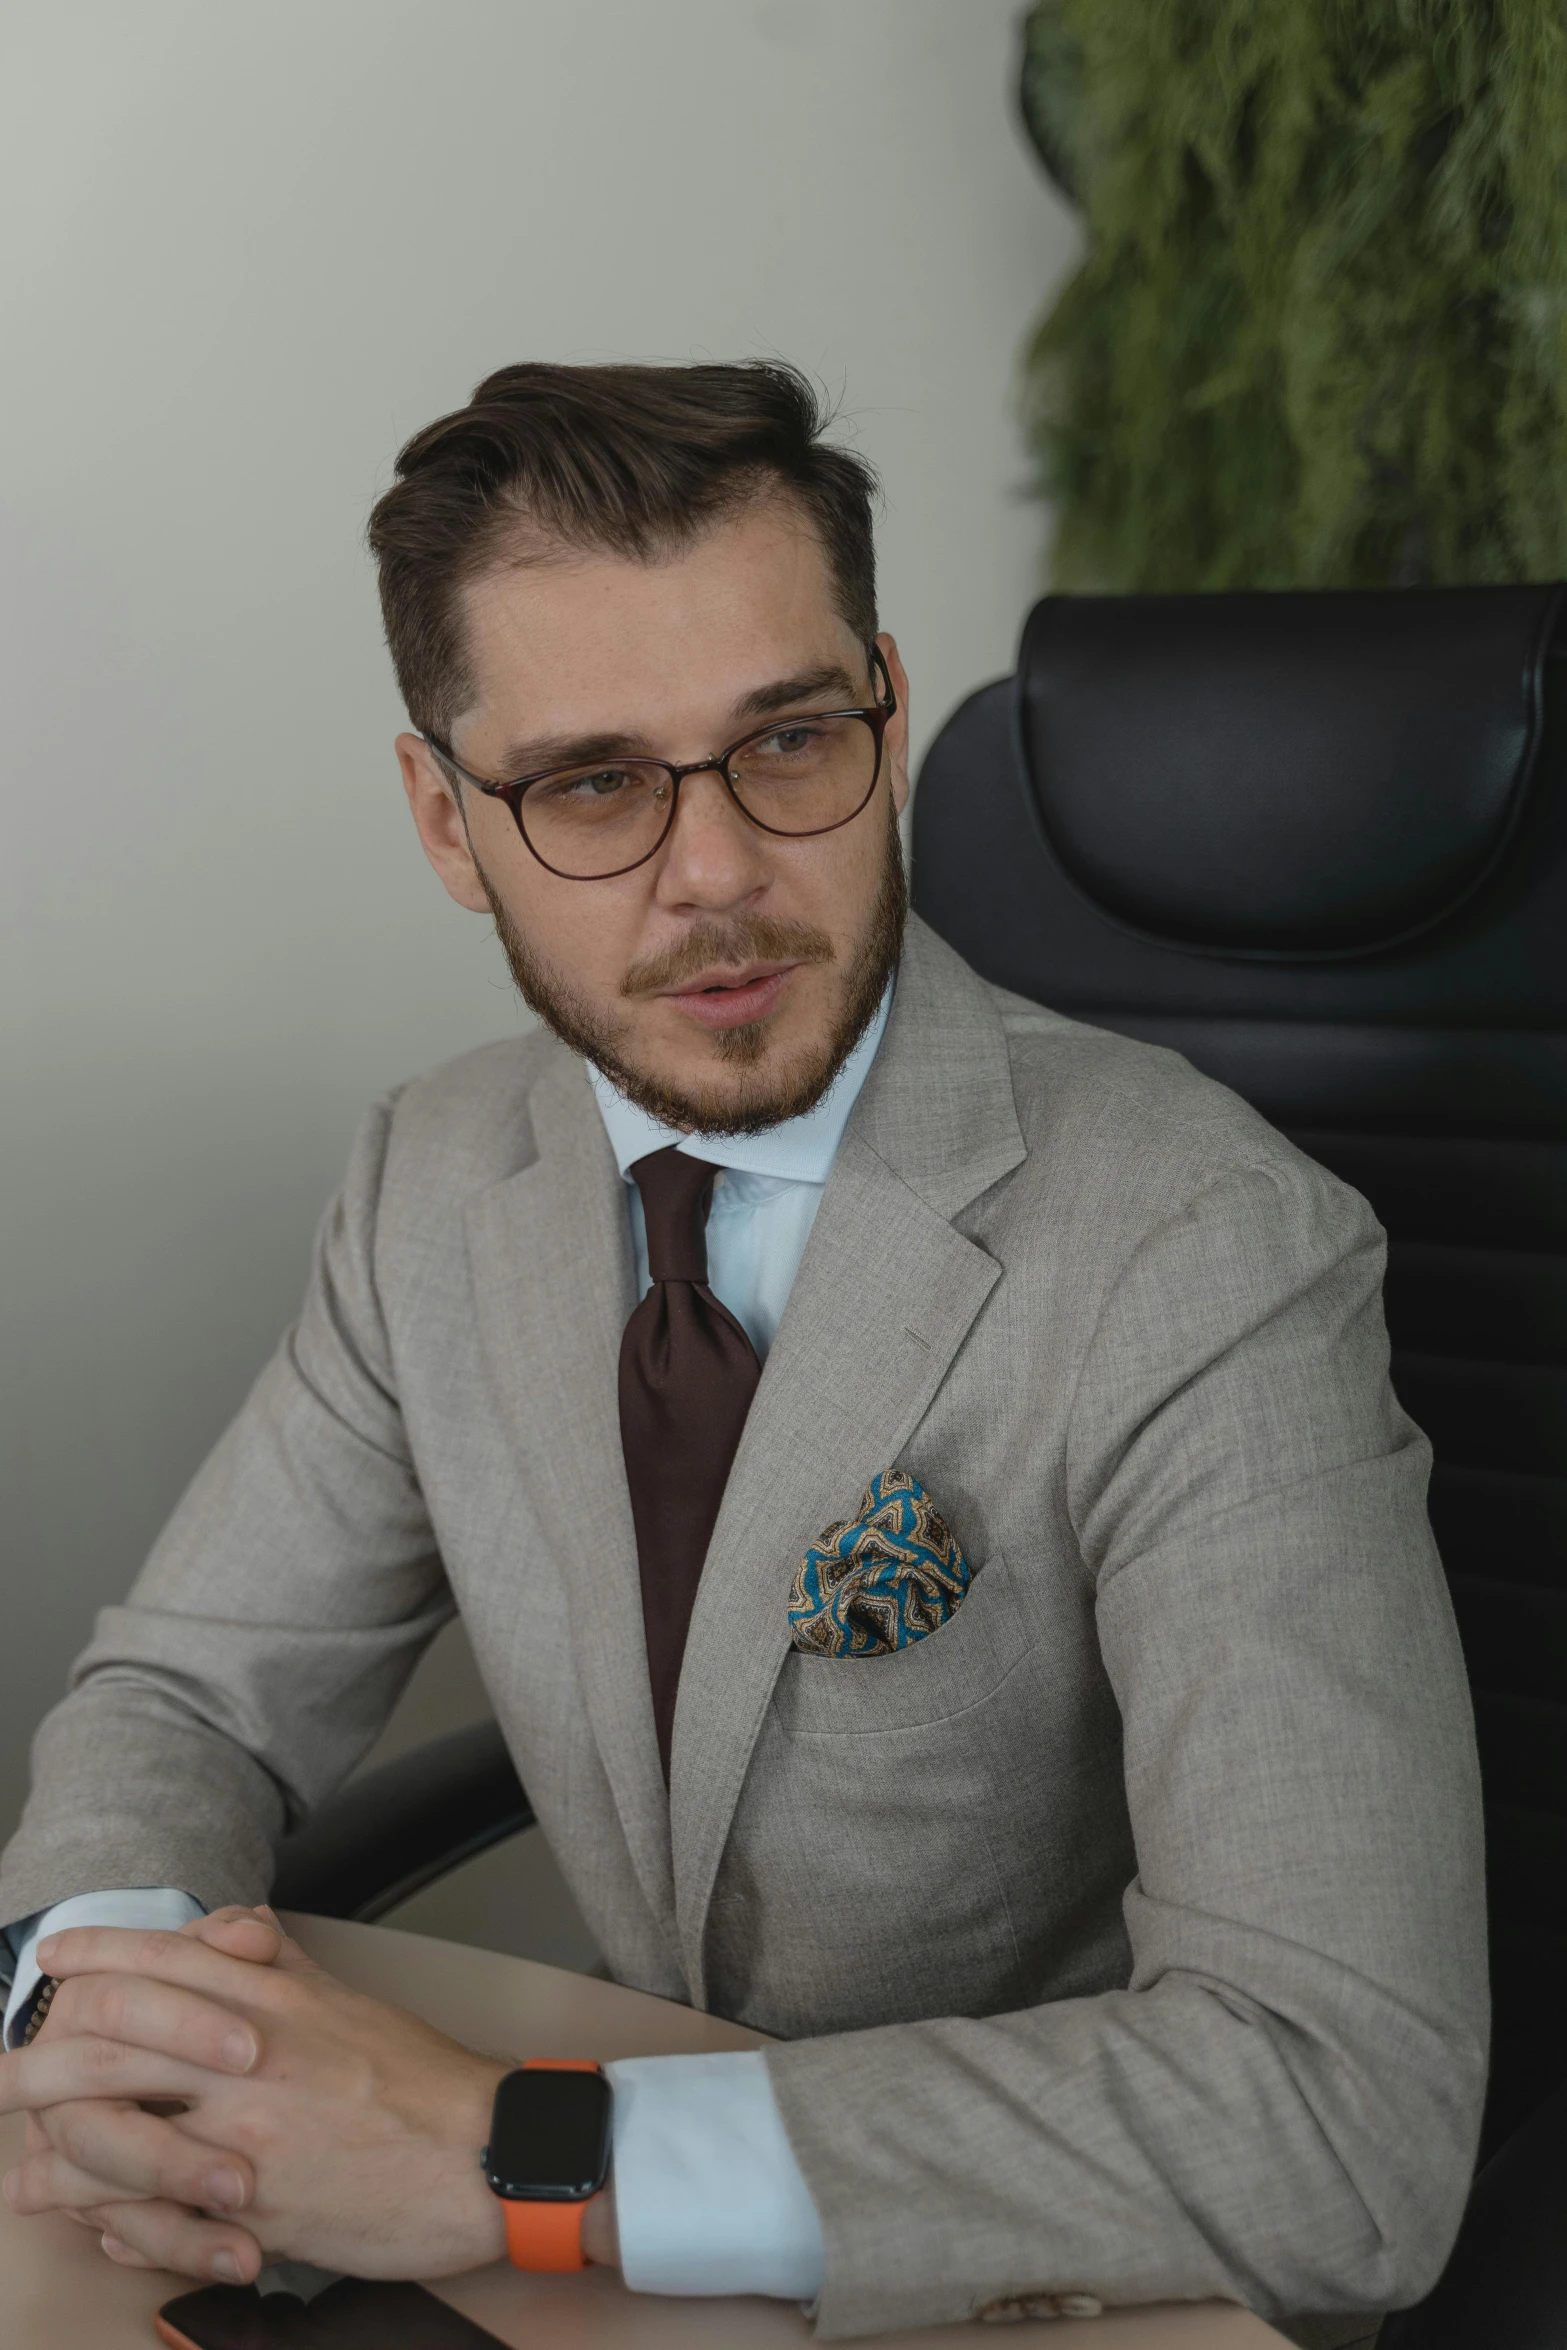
(722, 982)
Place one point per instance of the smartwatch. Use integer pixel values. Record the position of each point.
(547, 2158)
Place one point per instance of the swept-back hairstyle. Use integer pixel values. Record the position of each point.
(631, 460)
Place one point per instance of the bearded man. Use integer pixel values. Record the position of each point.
(922, 1485)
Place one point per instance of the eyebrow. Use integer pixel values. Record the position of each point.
(540, 753)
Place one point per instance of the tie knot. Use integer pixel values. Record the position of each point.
(675, 1192)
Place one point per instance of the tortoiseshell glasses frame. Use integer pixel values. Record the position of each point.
(591, 813)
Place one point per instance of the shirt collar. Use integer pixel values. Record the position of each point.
(801, 1150)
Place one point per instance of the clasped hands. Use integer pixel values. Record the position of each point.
(211, 2099)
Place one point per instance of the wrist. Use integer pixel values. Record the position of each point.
(548, 2164)
(600, 2234)
(477, 2221)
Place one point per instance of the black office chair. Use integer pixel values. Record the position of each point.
(1317, 843)
(396, 1829)
(1505, 2287)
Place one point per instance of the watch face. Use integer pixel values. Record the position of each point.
(549, 2139)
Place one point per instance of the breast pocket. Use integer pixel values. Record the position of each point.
(929, 1681)
(860, 1884)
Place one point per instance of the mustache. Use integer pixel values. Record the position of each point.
(748, 938)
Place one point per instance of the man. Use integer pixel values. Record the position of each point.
(955, 1580)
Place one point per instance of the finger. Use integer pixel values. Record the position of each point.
(53, 2072)
(170, 1957)
(256, 1935)
(114, 2248)
(41, 2146)
(154, 2015)
(267, 1940)
(47, 2182)
(251, 1934)
(98, 2151)
(162, 2235)
(291, 1960)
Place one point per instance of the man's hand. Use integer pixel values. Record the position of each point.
(346, 2132)
(76, 2129)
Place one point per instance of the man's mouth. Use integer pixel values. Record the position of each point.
(731, 995)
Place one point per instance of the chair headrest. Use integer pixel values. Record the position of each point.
(1301, 777)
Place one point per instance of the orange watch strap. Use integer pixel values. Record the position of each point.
(546, 2238)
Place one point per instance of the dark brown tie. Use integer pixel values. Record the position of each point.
(687, 1376)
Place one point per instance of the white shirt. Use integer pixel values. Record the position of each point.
(708, 2194)
(767, 1193)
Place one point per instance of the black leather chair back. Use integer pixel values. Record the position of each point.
(1318, 844)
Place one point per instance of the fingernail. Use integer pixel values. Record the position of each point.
(238, 2052)
(226, 2269)
(9, 2185)
(46, 1950)
(225, 2190)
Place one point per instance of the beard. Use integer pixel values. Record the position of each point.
(755, 1096)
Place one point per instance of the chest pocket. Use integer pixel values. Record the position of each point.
(929, 1681)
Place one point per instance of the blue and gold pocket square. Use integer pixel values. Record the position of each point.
(879, 1581)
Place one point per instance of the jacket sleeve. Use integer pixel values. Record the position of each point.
(1281, 2107)
(270, 1632)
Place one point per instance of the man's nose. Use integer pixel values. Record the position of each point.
(714, 855)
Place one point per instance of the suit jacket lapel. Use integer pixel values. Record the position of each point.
(551, 1254)
(885, 1296)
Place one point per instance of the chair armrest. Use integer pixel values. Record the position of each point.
(1505, 2286)
(395, 1830)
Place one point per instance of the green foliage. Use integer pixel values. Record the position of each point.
(1320, 336)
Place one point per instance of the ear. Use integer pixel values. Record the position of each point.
(896, 739)
(438, 819)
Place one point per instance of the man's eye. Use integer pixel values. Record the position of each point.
(789, 742)
(601, 783)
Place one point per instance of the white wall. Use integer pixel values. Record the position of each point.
(246, 251)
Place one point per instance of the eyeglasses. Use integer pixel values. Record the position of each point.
(800, 775)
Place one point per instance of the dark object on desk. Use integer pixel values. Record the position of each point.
(349, 2315)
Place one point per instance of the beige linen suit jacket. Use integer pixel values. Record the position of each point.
(1126, 1933)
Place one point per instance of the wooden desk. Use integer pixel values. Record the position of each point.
(58, 2292)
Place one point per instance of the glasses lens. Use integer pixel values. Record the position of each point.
(589, 821)
(807, 775)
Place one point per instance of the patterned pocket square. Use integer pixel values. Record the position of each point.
(879, 1581)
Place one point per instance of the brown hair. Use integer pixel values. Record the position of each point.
(632, 460)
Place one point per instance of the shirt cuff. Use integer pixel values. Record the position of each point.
(138, 1905)
(708, 2195)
